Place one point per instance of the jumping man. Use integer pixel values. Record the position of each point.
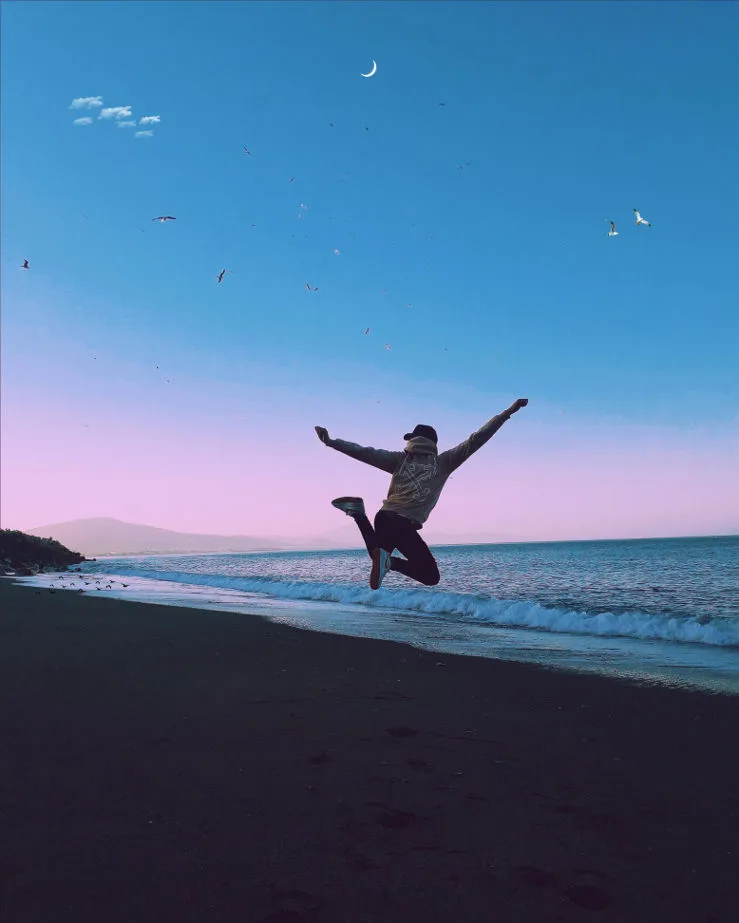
(419, 473)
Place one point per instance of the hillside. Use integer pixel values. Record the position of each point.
(108, 536)
(26, 554)
(103, 536)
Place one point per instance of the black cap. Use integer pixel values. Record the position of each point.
(422, 430)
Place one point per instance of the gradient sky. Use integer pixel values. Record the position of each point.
(489, 282)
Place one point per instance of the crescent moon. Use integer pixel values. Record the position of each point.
(371, 73)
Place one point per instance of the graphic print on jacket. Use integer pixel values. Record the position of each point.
(412, 482)
(417, 480)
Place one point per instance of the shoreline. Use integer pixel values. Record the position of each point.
(171, 763)
(705, 666)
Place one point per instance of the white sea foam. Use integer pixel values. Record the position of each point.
(474, 609)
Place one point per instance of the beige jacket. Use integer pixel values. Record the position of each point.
(419, 472)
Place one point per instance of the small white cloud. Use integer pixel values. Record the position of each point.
(150, 120)
(126, 124)
(116, 112)
(86, 102)
(85, 121)
(143, 134)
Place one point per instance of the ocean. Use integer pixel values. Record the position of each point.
(650, 610)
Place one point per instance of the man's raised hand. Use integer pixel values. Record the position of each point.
(322, 434)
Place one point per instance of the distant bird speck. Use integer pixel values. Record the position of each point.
(247, 151)
(613, 232)
(25, 265)
(164, 218)
(222, 273)
(366, 331)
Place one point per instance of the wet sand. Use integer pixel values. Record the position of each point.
(161, 764)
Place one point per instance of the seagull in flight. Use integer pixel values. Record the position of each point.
(640, 220)
(164, 218)
(25, 265)
(613, 232)
(222, 273)
(247, 151)
(366, 331)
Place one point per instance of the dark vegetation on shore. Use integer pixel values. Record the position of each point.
(27, 555)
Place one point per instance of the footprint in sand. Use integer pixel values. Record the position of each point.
(530, 876)
(359, 862)
(590, 897)
(396, 820)
(402, 732)
(587, 896)
(419, 765)
(294, 907)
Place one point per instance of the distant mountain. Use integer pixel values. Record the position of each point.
(106, 536)
(101, 536)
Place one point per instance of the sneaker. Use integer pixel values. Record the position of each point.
(380, 566)
(352, 506)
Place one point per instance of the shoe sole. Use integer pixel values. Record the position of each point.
(355, 505)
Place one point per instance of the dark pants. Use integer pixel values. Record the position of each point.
(394, 531)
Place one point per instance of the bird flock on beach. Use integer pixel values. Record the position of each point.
(118, 113)
(93, 583)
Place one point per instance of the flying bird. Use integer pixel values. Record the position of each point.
(366, 331)
(247, 151)
(222, 273)
(25, 265)
(613, 232)
(388, 346)
(164, 218)
(640, 220)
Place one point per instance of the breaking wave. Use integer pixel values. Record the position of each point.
(473, 609)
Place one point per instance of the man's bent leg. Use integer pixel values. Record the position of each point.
(368, 533)
(354, 507)
(395, 531)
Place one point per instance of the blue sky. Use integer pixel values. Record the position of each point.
(489, 282)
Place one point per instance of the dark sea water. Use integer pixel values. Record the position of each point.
(655, 610)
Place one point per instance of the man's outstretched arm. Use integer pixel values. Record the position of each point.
(460, 453)
(379, 458)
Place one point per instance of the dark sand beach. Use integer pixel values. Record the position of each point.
(161, 764)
